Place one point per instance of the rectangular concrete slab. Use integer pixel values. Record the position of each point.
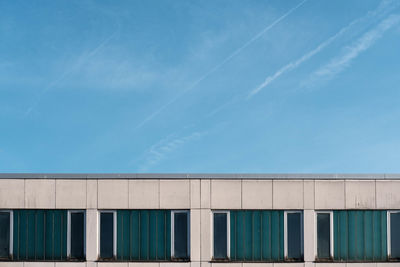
(91, 194)
(195, 234)
(113, 194)
(195, 194)
(256, 194)
(205, 194)
(226, 194)
(113, 264)
(255, 264)
(309, 234)
(40, 194)
(287, 194)
(309, 194)
(71, 264)
(144, 264)
(39, 264)
(70, 194)
(387, 194)
(12, 194)
(174, 194)
(174, 264)
(329, 195)
(144, 194)
(205, 235)
(360, 194)
(92, 235)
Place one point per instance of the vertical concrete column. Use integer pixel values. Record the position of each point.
(309, 235)
(195, 235)
(92, 239)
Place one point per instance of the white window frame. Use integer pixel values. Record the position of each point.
(330, 232)
(285, 231)
(69, 231)
(228, 232)
(10, 252)
(173, 212)
(114, 212)
(388, 232)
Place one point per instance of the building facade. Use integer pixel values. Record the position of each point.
(193, 220)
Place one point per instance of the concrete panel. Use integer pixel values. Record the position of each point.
(329, 194)
(144, 194)
(205, 264)
(70, 264)
(40, 194)
(92, 241)
(11, 264)
(223, 264)
(195, 264)
(309, 233)
(309, 194)
(175, 264)
(387, 194)
(144, 264)
(195, 235)
(195, 194)
(287, 194)
(205, 194)
(360, 194)
(174, 194)
(372, 264)
(205, 235)
(12, 194)
(388, 264)
(91, 264)
(70, 194)
(256, 194)
(289, 264)
(248, 264)
(39, 264)
(309, 264)
(226, 194)
(91, 194)
(113, 194)
(330, 265)
(112, 264)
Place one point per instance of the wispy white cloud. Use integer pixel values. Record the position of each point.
(218, 66)
(383, 8)
(339, 63)
(168, 145)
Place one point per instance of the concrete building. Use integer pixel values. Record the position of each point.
(193, 220)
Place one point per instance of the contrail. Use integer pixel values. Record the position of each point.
(68, 71)
(298, 62)
(216, 67)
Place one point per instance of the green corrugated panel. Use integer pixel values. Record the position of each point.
(40, 235)
(256, 235)
(360, 235)
(143, 235)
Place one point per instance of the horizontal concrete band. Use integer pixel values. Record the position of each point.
(261, 176)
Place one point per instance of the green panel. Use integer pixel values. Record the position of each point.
(233, 235)
(23, 235)
(120, 234)
(144, 234)
(275, 234)
(266, 235)
(16, 234)
(152, 235)
(49, 235)
(57, 234)
(240, 234)
(168, 241)
(135, 236)
(360, 235)
(39, 235)
(368, 223)
(248, 242)
(257, 246)
(31, 234)
(161, 234)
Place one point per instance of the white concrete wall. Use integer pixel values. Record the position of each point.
(201, 196)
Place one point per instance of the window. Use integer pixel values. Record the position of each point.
(220, 235)
(76, 235)
(256, 235)
(107, 234)
(6, 234)
(324, 235)
(180, 234)
(360, 235)
(394, 234)
(40, 235)
(293, 235)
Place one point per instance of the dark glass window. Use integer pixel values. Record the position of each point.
(220, 236)
(106, 235)
(77, 235)
(294, 232)
(181, 235)
(4, 234)
(323, 235)
(395, 235)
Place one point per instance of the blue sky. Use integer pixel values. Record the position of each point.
(200, 86)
